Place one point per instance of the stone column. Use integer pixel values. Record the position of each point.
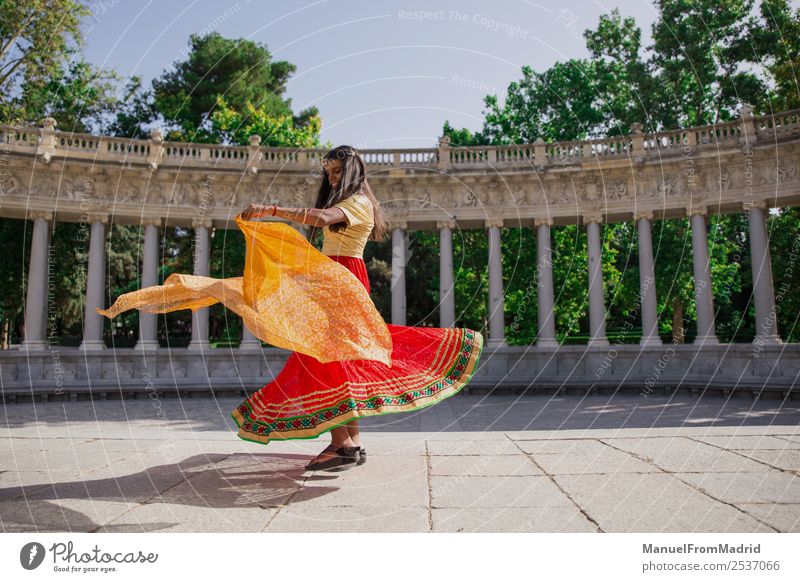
(36, 297)
(447, 300)
(763, 287)
(148, 339)
(95, 284)
(544, 284)
(399, 258)
(597, 310)
(249, 341)
(647, 280)
(202, 265)
(704, 298)
(496, 304)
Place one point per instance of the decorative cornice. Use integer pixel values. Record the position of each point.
(40, 214)
(202, 223)
(101, 217)
(593, 217)
(699, 210)
(756, 203)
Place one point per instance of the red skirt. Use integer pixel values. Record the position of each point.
(308, 398)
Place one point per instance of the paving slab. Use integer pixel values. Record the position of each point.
(603, 461)
(59, 515)
(55, 459)
(761, 442)
(483, 465)
(381, 482)
(629, 430)
(563, 518)
(295, 519)
(385, 445)
(788, 460)
(770, 486)
(215, 489)
(500, 492)
(684, 454)
(21, 484)
(139, 486)
(561, 446)
(473, 447)
(19, 444)
(650, 502)
(784, 517)
(160, 517)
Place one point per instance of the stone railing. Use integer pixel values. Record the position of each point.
(51, 144)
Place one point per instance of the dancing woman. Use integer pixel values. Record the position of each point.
(313, 395)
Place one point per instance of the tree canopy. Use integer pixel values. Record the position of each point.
(237, 72)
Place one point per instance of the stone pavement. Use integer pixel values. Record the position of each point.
(470, 463)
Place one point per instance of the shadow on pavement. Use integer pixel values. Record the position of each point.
(217, 481)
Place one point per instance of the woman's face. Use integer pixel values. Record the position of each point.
(334, 170)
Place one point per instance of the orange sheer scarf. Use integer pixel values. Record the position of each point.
(290, 295)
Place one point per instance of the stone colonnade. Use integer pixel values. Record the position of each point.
(764, 295)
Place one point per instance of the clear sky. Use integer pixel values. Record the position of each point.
(383, 74)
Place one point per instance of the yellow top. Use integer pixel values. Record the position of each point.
(350, 241)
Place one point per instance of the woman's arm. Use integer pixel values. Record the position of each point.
(314, 216)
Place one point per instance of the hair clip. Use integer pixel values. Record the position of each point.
(342, 154)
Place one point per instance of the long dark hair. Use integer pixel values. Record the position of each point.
(354, 181)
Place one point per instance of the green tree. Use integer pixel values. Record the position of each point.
(232, 126)
(471, 278)
(35, 37)
(238, 70)
(773, 40)
(463, 137)
(42, 72)
(79, 97)
(701, 67)
(558, 104)
(378, 258)
(15, 238)
(784, 233)
(134, 111)
(622, 79)
(520, 293)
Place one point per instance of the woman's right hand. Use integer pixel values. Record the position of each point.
(252, 211)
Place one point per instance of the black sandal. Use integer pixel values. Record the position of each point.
(345, 456)
(362, 456)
